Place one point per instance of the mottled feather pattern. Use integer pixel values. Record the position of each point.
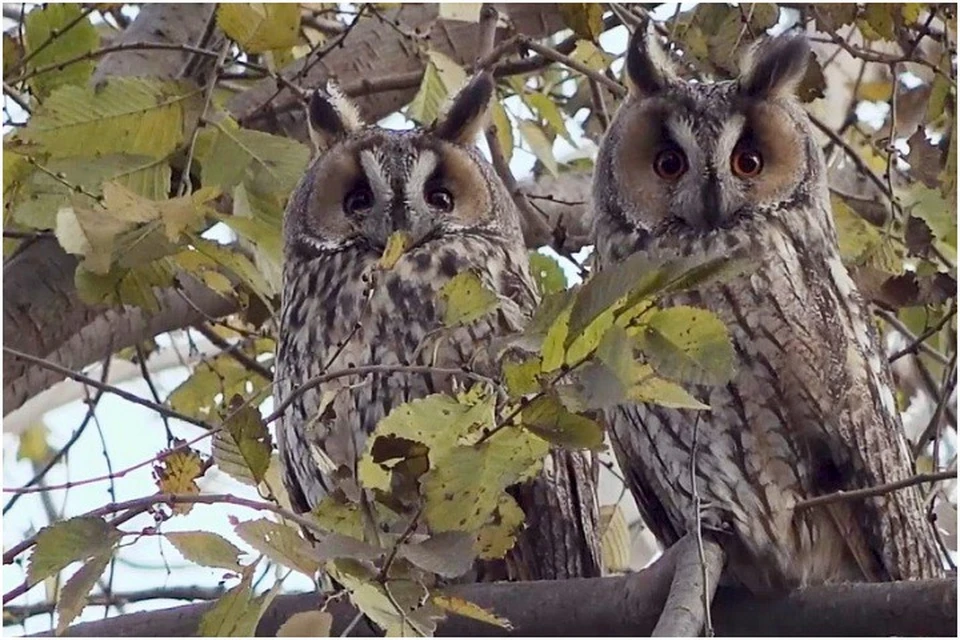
(341, 308)
(810, 409)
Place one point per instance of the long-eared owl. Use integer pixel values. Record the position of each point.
(366, 184)
(706, 169)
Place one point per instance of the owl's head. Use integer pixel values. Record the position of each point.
(687, 159)
(368, 182)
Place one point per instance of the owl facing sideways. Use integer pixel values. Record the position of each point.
(366, 184)
(703, 169)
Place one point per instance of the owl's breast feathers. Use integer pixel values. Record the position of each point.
(808, 412)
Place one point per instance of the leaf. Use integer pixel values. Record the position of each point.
(37, 199)
(241, 448)
(539, 144)
(462, 11)
(229, 615)
(137, 116)
(590, 55)
(206, 549)
(73, 595)
(178, 473)
(397, 243)
(928, 205)
(221, 375)
(122, 286)
(857, 236)
(876, 22)
(260, 26)
(614, 539)
(11, 53)
(585, 18)
(503, 128)
(814, 84)
(48, 41)
(441, 78)
(306, 624)
(466, 299)
(548, 111)
(449, 554)
(74, 540)
(688, 344)
(876, 91)
(281, 543)
(548, 418)
(33, 444)
(522, 377)
(656, 390)
(230, 260)
(499, 534)
(229, 155)
(924, 159)
(400, 608)
(467, 609)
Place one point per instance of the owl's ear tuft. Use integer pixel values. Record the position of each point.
(332, 116)
(774, 67)
(649, 70)
(467, 113)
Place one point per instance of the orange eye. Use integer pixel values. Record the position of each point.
(746, 163)
(670, 164)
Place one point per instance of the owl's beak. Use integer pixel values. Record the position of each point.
(713, 207)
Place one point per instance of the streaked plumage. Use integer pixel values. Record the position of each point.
(366, 184)
(810, 409)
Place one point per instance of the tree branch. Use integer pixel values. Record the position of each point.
(859, 494)
(617, 606)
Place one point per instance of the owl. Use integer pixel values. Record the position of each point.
(703, 170)
(339, 311)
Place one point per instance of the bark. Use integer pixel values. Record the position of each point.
(619, 606)
(42, 312)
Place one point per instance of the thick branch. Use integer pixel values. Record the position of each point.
(621, 606)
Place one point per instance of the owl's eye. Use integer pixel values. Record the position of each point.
(439, 198)
(746, 163)
(360, 199)
(670, 164)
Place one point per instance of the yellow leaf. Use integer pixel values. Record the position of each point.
(504, 129)
(73, 595)
(499, 534)
(876, 91)
(260, 26)
(615, 539)
(306, 624)
(178, 473)
(590, 55)
(33, 444)
(688, 344)
(539, 144)
(281, 543)
(466, 299)
(441, 79)
(467, 609)
(397, 244)
(207, 549)
(585, 18)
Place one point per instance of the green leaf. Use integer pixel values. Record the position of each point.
(137, 116)
(230, 615)
(68, 541)
(241, 448)
(230, 261)
(858, 238)
(34, 445)
(548, 418)
(48, 43)
(221, 375)
(37, 199)
(260, 26)
(281, 543)
(655, 390)
(467, 609)
(122, 286)
(504, 130)
(229, 155)
(466, 299)
(688, 344)
(929, 205)
(449, 554)
(206, 549)
(548, 111)
(441, 78)
(400, 608)
(585, 18)
(73, 595)
(539, 144)
(591, 55)
(522, 377)
(877, 22)
(307, 624)
(499, 534)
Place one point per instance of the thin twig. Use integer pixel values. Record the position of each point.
(17, 97)
(547, 52)
(915, 343)
(54, 35)
(214, 76)
(697, 505)
(868, 492)
(902, 329)
(21, 613)
(234, 351)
